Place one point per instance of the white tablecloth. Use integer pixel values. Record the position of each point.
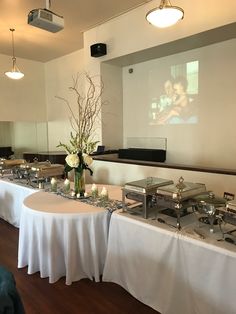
(63, 237)
(11, 199)
(168, 271)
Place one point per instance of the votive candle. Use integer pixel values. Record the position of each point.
(104, 193)
(94, 190)
(54, 185)
(67, 185)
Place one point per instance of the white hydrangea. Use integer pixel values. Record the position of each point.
(72, 160)
(87, 159)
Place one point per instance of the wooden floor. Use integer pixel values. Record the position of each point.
(82, 297)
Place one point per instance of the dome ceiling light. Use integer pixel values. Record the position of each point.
(165, 15)
(15, 73)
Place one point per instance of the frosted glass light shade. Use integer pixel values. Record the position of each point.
(15, 75)
(165, 15)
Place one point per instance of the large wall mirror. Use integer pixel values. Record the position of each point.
(24, 137)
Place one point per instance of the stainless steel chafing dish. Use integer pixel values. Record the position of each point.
(208, 204)
(47, 171)
(6, 165)
(142, 191)
(38, 172)
(26, 170)
(34, 165)
(178, 197)
(42, 173)
(181, 191)
(228, 213)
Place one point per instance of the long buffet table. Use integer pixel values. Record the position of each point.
(172, 272)
(11, 198)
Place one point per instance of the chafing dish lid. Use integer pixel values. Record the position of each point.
(51, 170)
(210, 198)
(12, 162)
(147, 184)
(231, 205)
(35, 165)
(182, 190)
(47, 167)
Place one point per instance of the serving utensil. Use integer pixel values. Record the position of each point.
(162, 221)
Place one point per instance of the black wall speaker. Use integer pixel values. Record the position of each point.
(98, 50)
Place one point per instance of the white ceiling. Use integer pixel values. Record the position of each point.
(40, 45)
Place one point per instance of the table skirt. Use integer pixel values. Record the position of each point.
(60, 245)
(170, 272)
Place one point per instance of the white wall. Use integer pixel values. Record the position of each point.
(130, 33)
(28, 137)
(120, 173)
(59, 77)
(214, 103)
(22, 100)
(23, 104)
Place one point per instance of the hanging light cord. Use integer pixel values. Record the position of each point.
(13, 48)
(162, 4)
(15, 73)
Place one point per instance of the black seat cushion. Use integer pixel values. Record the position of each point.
(10, 301)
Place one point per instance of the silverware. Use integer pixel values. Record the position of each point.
(162, 221)
(227, 239)
(199, 234)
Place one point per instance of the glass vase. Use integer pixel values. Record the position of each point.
(79, 183)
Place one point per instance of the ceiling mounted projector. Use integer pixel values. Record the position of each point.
(46, 19)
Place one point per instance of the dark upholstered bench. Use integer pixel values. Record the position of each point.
(10, 301)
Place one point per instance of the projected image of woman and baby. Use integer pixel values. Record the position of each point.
(177, 103)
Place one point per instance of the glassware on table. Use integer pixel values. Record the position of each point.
(54, 185)
(66, 187)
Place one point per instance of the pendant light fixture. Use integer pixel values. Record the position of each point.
(15, 73)
(165, 15)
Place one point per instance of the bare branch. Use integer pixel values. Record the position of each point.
(89, 104)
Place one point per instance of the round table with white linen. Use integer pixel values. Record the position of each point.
(63, 237)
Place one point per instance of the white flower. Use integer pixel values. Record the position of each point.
(72, 160)
(87, 159)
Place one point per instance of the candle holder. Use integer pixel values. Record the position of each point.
(53, 185)
(104, 196)
(94, 191)
(66, 187)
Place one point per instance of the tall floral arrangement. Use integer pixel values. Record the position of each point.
(83, 123)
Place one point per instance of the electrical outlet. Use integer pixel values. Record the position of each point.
(228, 196)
